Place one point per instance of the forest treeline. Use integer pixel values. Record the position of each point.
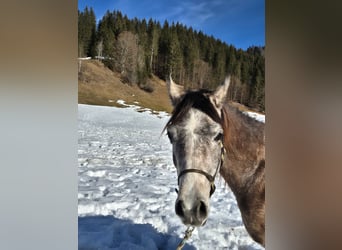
(139, 48)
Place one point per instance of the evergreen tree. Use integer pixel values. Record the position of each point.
(153, 32)
(191, 56)
(175, 61)
(106, 34)
(163, 51)
(86, 32)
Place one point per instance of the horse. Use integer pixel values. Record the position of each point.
(210, 136)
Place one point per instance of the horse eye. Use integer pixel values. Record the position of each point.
(218, 137)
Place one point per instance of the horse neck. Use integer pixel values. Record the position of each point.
(244, 144)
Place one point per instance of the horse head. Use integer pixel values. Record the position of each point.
(196, 134)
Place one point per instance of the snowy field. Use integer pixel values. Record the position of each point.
(126, 187)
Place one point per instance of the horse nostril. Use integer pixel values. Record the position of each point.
(180, 208)
(202, 210)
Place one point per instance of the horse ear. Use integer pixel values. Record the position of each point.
(175, 91)
(219, 96)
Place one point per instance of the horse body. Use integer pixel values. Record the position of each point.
(201, 124)
(244, 168)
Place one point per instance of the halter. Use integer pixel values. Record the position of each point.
(211, 178)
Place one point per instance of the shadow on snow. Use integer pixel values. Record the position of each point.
(108, 232)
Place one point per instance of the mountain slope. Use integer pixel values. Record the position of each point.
(98, 85)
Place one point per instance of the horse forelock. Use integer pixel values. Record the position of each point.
(198, 100)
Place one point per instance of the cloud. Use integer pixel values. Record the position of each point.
(190, 11)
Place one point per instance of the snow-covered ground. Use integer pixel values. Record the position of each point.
(126, 187)
(256, 116)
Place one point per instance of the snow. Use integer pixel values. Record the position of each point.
(256, 116)
(126, 187)
(84, 58)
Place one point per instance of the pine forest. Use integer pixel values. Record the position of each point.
(138, 49)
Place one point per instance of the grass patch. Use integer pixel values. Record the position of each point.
(98, 85)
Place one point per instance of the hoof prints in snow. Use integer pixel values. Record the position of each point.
(126, 188)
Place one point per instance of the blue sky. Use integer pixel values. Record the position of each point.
(237, 22)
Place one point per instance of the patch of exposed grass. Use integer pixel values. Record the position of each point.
(100, 86)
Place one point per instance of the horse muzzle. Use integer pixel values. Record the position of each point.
(194, 214)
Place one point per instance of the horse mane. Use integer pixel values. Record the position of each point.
(194, 99)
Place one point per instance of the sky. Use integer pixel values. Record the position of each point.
(237, 22)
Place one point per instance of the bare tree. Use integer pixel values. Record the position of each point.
(154, 48)
(99, 49)
(201, 73)
(128, 56)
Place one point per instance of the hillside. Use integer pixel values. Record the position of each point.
(98, 85)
